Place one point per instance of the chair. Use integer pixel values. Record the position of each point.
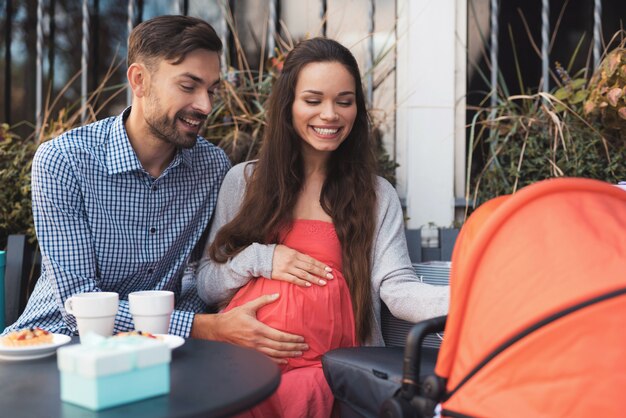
(23, 264)
(418, 254)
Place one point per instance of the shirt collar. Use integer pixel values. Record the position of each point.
(186, 154)
(120, 155)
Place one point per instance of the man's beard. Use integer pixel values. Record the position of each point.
(166, 129)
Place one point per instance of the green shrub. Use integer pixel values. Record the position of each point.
(576, 130)
(607, 98)
(16, 157)
(16, 154)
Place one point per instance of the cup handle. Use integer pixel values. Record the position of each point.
(68, 306)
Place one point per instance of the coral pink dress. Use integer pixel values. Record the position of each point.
(321, 314)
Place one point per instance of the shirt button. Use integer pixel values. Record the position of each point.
(150, 270)
(152, 230)
(154, 188)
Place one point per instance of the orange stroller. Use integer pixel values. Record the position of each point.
(537, 322)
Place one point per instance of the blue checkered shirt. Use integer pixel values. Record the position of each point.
(104, 224)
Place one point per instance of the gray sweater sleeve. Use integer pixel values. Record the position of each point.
(218, 282)
(393, 277)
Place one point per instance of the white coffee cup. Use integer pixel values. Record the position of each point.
(94, 311)
(151, 310)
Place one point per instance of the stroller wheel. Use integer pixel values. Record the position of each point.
(432, 387)
(396, 407)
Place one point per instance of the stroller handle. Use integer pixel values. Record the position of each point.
(413, 352)
(411, 400)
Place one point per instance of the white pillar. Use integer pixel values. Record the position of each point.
(431, 111)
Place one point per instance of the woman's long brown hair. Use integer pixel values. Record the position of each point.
(348, 195)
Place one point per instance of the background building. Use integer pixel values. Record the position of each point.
(427, 64)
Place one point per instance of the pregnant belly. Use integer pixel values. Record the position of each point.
(321, 314)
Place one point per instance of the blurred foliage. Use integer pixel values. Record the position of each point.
(16, 157)
(607, 98)
(575, 130)
(16, 154)
(237, 121)
(236, 125)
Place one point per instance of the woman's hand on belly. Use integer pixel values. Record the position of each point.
(291, 266)
(240, 326)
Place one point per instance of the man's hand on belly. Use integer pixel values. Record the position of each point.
(239, 326)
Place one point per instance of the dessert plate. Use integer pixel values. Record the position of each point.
(174, 341)
(31, 352)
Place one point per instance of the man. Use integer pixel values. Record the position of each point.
(120, 204)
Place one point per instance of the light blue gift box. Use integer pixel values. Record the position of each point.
(103, 372)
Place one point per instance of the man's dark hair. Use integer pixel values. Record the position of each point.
(170, 37)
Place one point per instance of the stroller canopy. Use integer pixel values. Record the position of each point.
(537, 320)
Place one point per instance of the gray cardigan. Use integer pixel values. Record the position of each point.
(393, 278)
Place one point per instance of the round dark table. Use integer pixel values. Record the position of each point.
(207, 379)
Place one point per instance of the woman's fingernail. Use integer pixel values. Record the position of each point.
(297, 354)
(328, 269)
(330, 276)
(307, 284)
(322, 282)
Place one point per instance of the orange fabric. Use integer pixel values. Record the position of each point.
(575, 367)
(550, 246)
(467, 237)
(322, 314)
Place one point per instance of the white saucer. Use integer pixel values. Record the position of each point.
(32, 352)
(174, 341)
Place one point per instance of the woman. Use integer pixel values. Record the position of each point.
(312, 214)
